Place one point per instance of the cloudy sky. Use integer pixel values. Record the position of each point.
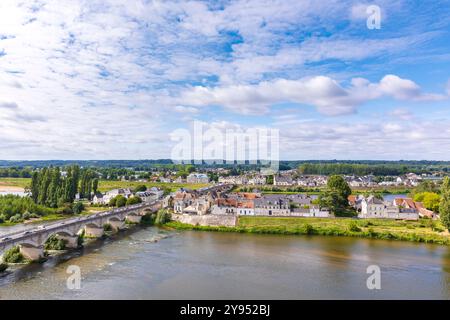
(113, 79)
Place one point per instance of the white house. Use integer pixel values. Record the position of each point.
(197, 178)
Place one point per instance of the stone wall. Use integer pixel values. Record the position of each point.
(207, 220)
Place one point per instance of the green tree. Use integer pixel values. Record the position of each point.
(77, 207)
(430, 200)
(162, 217)
(335, 197)
(95, 185)
(140, 188)
(13, 255)
(121, 201)
(133, 200)
(444, 208)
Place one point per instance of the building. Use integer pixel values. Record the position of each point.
(257, 180)
(279, 180)
(197, 178)
(374, 208)
(104, 199)
(255, 204)
(150, 195)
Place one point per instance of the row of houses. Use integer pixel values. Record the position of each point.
(255, 204)
(150, 195)
(244, 180)
(246, 204)
(400, 208)
(191, 178)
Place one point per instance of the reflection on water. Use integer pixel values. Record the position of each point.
(156, 264)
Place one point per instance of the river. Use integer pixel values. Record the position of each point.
(208, 265)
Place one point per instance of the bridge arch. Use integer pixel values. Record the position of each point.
(93, 224)
(115, 219)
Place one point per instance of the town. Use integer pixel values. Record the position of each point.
(256, 202)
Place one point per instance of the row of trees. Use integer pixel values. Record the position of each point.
(356, 169)
(49, 188)
(16, 172)
(88, 184)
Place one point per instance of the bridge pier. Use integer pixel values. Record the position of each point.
(71, 241)
(117, 224)
(30, 252)
(134, 218)
(93, 231)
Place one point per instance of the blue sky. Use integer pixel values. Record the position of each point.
(113, 79)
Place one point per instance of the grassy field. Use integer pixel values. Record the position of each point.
(105, 185)
(420, 231)
(15, 182)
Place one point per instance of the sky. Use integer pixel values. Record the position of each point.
(115, 79)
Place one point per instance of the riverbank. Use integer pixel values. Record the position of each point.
(427, 231)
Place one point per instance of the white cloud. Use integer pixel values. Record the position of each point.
(326, 94)
(183, 109)
(402, 114)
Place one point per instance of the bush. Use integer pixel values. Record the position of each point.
(309, 229)
(140, 188)
(77, 207)
(371, 232)
(3, 267)
(112, 202)
(11, 205)
(80, 239)
(13, 255)
(162, 217)
(133, 200)
(121, 201)
(54, 243)
(16, 218)
(148, 219)
(65, 209)
(107, 227)
(353, 227)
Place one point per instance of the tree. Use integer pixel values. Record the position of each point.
(430, 200)
(121, 201)
(335, 197)
(95, 185)
(444, 207)
(77, 207)
(140, 188)
(427, 186)
(133, 200)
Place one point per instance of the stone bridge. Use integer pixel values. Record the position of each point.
(31, 241)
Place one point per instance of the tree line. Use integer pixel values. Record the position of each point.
(358, 169)
(50, 188)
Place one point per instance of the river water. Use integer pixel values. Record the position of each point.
(152, 263)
